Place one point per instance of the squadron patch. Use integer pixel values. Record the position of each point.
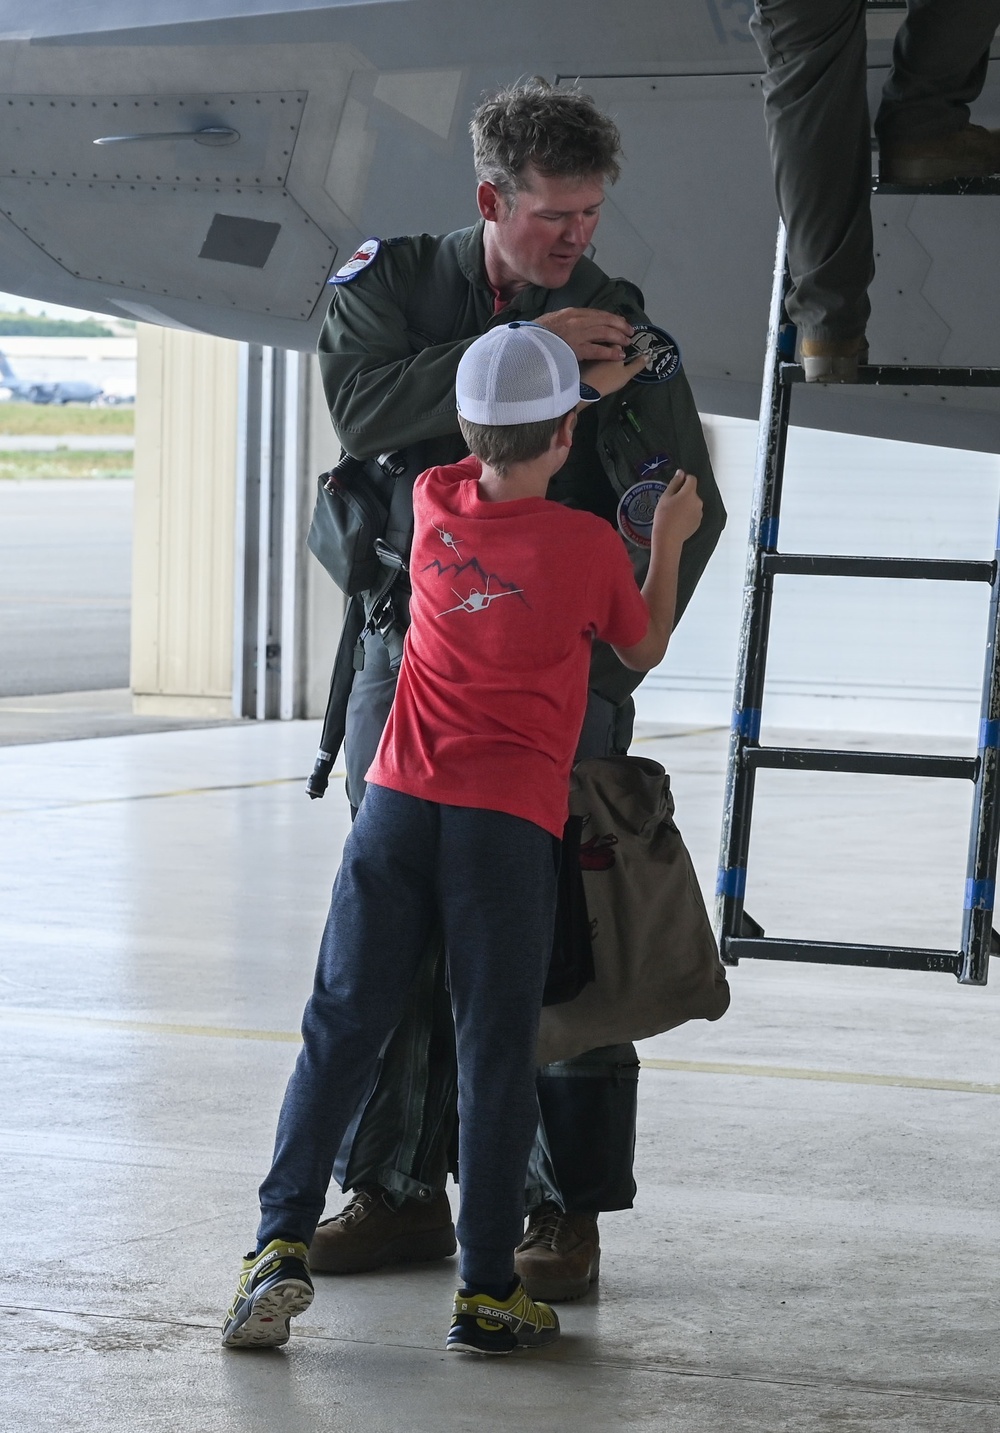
(357, 263)
(663, 357)
(635, 511)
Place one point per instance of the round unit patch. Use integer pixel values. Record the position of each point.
(635, 511)
(663, 357)
(357, 263)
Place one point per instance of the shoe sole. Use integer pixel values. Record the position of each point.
(500, 1352)
(483, 1352)
(497, 1353)
(406, 1249)
(561, 1291)
(266, 1324)
(826, 369)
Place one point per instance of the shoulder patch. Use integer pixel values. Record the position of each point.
(360, 260)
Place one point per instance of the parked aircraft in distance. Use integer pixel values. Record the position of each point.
(39, 390)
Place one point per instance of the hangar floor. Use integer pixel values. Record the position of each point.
(814, 1242)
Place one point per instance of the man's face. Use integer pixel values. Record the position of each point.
(541, 238)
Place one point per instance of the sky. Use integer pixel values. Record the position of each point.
(11, 303)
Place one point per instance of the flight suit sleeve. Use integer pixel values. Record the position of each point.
(384, 390)
(672, 424)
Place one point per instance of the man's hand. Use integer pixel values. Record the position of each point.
(590, 332)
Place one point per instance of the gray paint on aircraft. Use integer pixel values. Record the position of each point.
(352, 122)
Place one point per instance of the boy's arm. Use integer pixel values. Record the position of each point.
(677, 516)
(608, 375)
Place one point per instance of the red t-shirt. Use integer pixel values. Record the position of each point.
(507, 597)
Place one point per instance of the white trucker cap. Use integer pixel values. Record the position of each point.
(519, 373)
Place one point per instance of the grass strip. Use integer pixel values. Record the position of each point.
(54, 419)
(69, 463)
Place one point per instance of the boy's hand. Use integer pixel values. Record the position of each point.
(609, 375)
(676, 517)
(678, 513)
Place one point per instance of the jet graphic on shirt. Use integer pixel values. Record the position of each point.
(478, 601)
(477, 589)
(449, 539)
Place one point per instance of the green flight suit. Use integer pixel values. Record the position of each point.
(389, 353)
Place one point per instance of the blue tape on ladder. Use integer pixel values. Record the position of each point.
(747, 723)
(769, 532)
(731, 881)
(989, 735)
(980, 895)
(997, 548)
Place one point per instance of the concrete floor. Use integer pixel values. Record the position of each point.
(69, 716)
(813, 1247)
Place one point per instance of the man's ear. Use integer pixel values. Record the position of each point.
(491, 202)
(563, 436)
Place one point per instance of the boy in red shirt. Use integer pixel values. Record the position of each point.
(461, 822)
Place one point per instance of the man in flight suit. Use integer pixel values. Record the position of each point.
(403, 313)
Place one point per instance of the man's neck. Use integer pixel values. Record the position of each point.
(500, 277)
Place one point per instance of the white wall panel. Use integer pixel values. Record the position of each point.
(185, 476)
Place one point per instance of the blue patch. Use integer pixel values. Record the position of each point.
(362, 258)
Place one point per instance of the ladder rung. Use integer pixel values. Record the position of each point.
(988, 185)
(891, 957)
(906, 376)
(875, 763)
(810, 564)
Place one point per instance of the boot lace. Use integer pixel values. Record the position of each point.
(545, 1225)
(360, 1206)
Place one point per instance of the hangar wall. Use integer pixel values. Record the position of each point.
(231, 615)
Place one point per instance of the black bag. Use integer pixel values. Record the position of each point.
(571, 966)
(352, 510)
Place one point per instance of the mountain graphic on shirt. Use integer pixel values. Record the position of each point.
(482, 580)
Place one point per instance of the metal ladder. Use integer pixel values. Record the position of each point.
(739, 935)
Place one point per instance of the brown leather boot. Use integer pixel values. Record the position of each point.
(832, 360)
(560, 1255)
(969, 153)
(369, 1232)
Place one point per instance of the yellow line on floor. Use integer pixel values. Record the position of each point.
(686, 1067)
(833, 1077)
(146, 1027)
(156, 795)
(677, 735)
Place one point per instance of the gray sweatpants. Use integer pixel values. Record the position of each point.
(818, 128)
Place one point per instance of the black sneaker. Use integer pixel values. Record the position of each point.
(484, 1325)
(274, 1286)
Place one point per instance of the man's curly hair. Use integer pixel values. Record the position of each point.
(559, 132)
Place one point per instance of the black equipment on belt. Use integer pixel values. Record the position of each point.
(377, 615)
